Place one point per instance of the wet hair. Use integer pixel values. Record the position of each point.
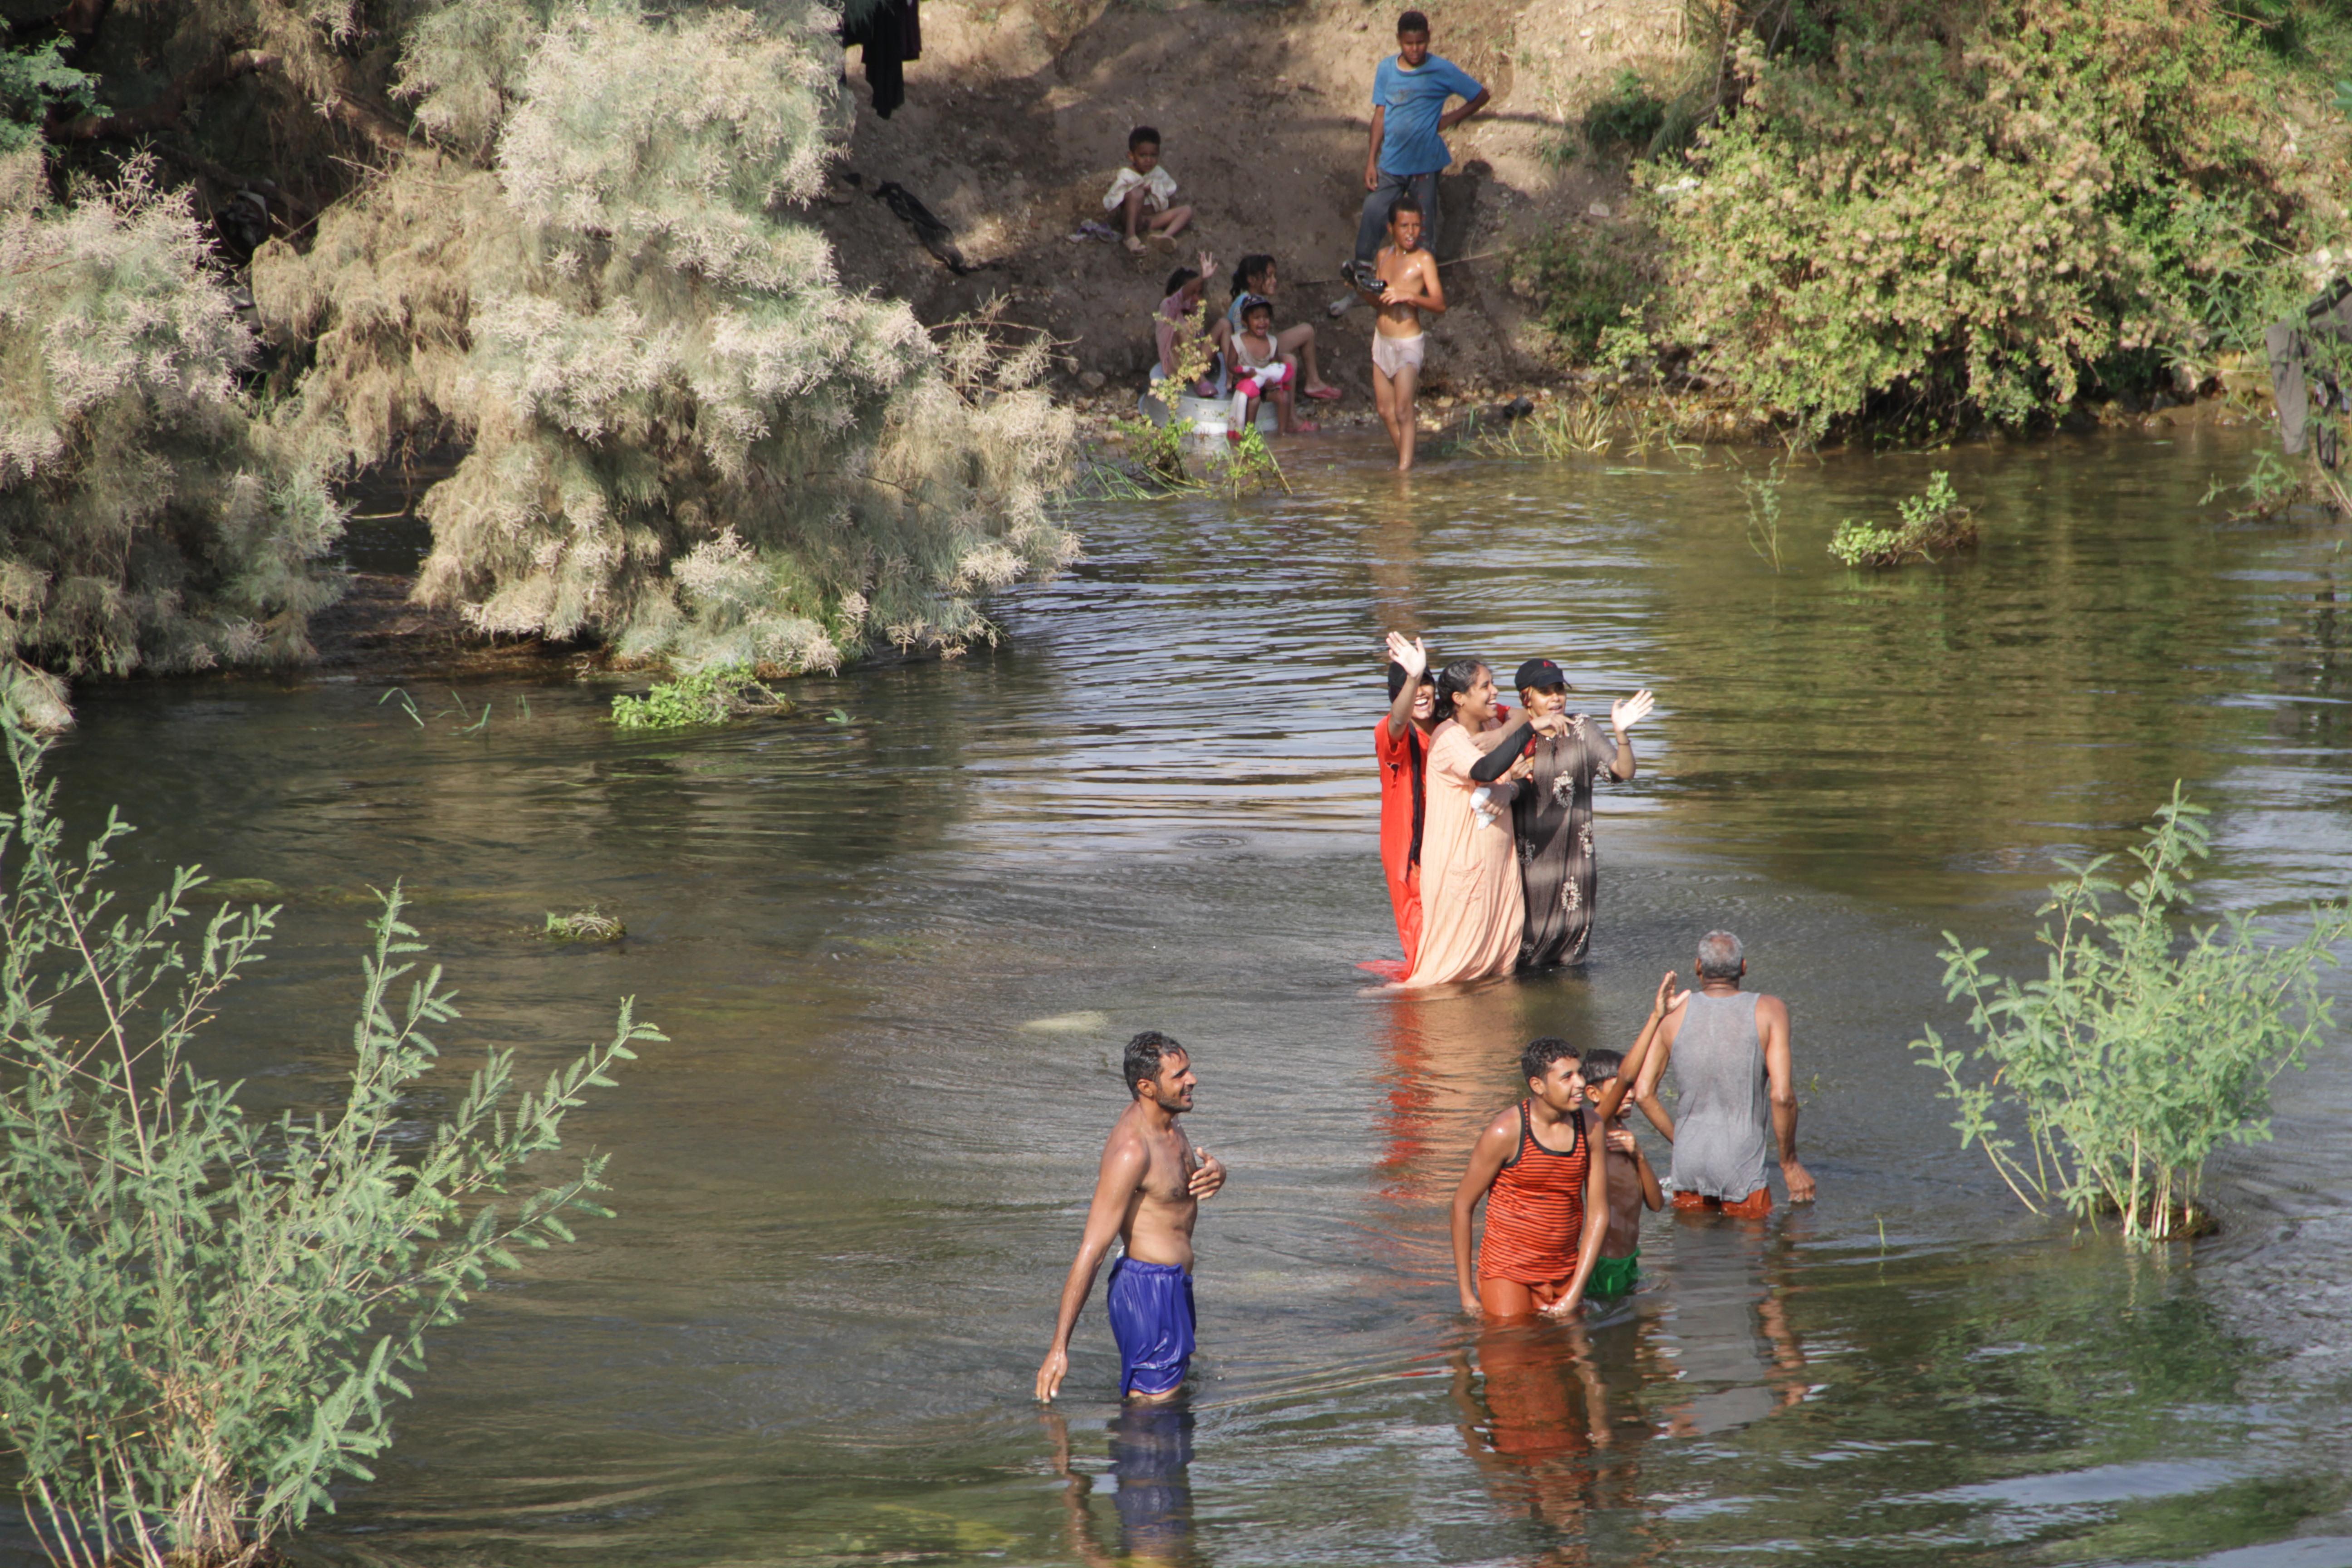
(1411, 22)
(1600, 1067)
(1397, 678)
(1177, 279)
(1250, 270)
(1454, 680)
(1144, 1055)
(1404, 205)
(1142, 136)
(1719, 956)
(1534, 1062)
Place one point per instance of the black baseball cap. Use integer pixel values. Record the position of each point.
(1396, 677)
(1540, 674)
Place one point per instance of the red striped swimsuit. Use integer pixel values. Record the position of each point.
(1535, 1210)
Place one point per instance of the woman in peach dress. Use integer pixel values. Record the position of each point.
(1470, 909)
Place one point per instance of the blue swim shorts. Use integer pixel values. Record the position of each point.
(1152, 1318)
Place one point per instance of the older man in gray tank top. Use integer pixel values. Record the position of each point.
(1729, 1050)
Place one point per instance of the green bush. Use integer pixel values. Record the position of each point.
(1938, 220)
(206, 1318)
(1628, 115)
(34, 80)
(1930, 521)
(2106, 1085)
(1583, 287)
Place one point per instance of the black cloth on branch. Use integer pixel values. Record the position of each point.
(890, 33)
(2307, 351)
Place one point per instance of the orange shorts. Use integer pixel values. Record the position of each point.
(1756, 1204)
(1500, 1298)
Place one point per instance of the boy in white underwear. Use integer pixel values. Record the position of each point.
(1408, 288)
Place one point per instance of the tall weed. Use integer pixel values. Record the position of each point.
(2104, 1086)
(206, 1316)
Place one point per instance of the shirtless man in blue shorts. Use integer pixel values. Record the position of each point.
(1147, 1198)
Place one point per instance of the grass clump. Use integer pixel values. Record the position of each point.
(1585, 289)
(585, 925)
(1628, 115)
(207, 1318)
(704, 698)
(2105, 1087)
(1931, 521)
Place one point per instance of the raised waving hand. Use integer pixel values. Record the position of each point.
(1628, 712)
(1409, 653)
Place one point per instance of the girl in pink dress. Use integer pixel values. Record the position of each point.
(1472, 910)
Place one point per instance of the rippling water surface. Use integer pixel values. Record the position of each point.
(896, 956)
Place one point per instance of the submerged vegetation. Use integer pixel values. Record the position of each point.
(206, 1316)
(1930, 523)
(585, 925)
(2105, 1087)
(705, 696)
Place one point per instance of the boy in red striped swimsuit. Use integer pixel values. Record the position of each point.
(1547, 1197)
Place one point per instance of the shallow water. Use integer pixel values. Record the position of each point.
(896, 956)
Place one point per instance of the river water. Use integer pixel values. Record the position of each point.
(898, 942)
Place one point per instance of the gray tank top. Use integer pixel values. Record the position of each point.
(1725, 1112)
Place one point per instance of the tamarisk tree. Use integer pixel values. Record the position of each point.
(686, 438)
(147, 520)
(206, 1317)
(2106, 1086)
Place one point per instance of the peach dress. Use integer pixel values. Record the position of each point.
(1470, 909)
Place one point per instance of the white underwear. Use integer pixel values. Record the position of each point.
(1391, 355)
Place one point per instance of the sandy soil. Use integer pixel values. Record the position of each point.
(1016, 118)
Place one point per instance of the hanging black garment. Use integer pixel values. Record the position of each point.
(2325, 331)
(889, 33)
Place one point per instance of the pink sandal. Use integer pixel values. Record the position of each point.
(1326, 394)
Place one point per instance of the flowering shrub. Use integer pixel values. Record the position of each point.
(1980, 224)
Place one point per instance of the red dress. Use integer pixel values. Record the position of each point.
(1405, 761)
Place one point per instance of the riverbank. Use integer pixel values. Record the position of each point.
(1016, 118)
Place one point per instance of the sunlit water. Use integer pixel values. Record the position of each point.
(897, 955)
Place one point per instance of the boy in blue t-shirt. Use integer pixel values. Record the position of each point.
(1409, 91)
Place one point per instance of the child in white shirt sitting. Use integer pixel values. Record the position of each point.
(1142, 190)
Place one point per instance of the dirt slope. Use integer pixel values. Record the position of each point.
(1017, 117)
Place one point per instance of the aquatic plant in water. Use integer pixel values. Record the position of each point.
(704, 697)
(1930, 521)
(585, 925)
(206, 1318)
(2106, 1086)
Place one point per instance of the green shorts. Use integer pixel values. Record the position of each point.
(1613, 1276)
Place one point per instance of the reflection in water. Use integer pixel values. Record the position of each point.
(1150, 1455)
(1728, 1326)
(1544, 1433)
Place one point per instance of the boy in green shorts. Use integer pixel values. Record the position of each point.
(1619, 1267)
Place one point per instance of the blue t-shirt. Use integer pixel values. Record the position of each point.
(1414, 99)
